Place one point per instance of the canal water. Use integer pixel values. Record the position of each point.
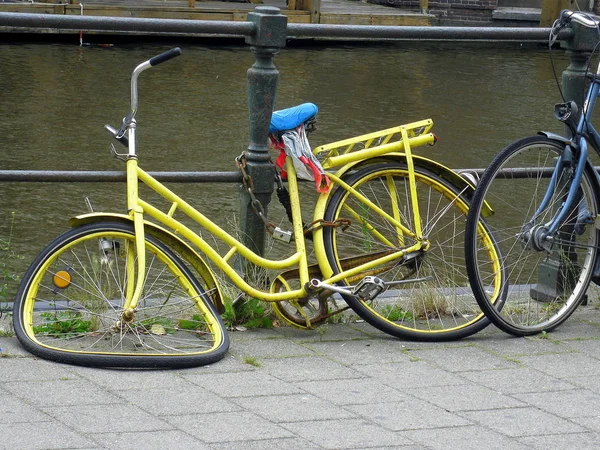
(56, 98)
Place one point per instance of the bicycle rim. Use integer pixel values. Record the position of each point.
(70, 305)
(434, 302)
(542, 286)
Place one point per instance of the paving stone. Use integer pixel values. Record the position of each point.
(117, 380)
(519, 380)
(270, 444)
(364, 351)
(465, 397)
(69, 392)
(228, 427)
(163, 440)
(564, 365)
(517, 422)
(242, 384)
(506, 345)
(348, 434)
(591, 347)
(115, 418)
(177, 400)
(408, 414)
(352, 391)
(14, 410)
(464, 438)
(30, 369)
(579, 441)
(293, 408)
(10, 346)
(269, 348)
(309, 369)
(463, 358)
(414, 374)
(41, 435)
(568, 404)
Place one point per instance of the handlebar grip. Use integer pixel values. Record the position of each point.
(169, 54)
(585, 19)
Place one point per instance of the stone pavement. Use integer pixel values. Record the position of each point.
(342, 387)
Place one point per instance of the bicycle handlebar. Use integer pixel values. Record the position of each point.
(169, 54)
(585, 19)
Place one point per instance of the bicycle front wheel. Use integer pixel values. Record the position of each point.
(70, 304)
(545, 279)
(430, 299)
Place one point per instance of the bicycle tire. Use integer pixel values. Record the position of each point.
(439, 309)
(543, 286)
(70, 302)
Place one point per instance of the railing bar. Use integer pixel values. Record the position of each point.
(98, 23)
(62, 176)
(114, 176)
(244, 28)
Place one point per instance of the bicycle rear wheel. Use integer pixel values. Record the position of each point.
(434, 302)
(69, 306)
(545, 281)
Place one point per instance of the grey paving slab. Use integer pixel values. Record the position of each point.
(463, 358)
(242, 384)
(564, 365)
(351, 391)
(269, 444)
(64, 392)
(184, 399)
(42, 436)
(163, 440)
(414, 374)
(517, 422)
(11, 347)
(519, 380)
(269, 348)
(465, 397)
(115, 418)
(579, 441)
(228, 427)
(118, 380)
(364, 351)
(465, 438)
(309, 369)
(348, 434)
(15, 410)
(591, 423)
(408, 414)
(590, 346)
(32, 369)
(505, 345)
(568, 404)
(293, 408)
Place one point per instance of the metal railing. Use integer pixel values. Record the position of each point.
(266, 32)
(293, 30)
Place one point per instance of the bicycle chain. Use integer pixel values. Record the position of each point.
(256, 205)
(270, 227)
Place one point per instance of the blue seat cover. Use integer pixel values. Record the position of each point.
(290, 118)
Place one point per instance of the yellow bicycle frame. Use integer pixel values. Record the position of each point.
(341, 157)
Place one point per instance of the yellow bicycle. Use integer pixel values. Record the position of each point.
(140, 290)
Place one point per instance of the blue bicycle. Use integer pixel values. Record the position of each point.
(540, 197)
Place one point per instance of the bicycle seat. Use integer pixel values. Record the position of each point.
(290, 118)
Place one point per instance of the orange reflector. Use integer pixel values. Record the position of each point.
(62, 279)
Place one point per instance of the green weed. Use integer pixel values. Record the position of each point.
(249, 313)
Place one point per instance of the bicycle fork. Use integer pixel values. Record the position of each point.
(136, 257)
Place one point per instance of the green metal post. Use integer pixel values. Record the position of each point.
(269, 37)
(554, 275)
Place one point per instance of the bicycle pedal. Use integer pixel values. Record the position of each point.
(369, 287)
